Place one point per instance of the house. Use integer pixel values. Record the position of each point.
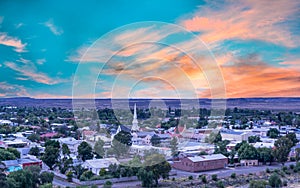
(95, 165)
(14, 165)
(201, 163)
(235, 135)
(71, 142)
(249, 162)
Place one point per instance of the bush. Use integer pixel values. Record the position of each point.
(220, 184)
(268, 170)
(69, 176)
(191, 177)
(284, 183)
(108, 184)
(258, 184)
(204, 180)
(173, 179)
(284, 168)
(214, 177)
(233, 175)
(292, 159)
(292, 166)
(274, 180)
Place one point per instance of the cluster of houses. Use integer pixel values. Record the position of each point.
(190, 144)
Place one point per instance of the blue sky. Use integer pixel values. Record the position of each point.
(255, 45)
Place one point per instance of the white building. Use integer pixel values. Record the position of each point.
(95, 165)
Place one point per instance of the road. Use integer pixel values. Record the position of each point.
(222, 173)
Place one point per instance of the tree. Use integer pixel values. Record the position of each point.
(6, 155)
(282, 149)
(14, 151)
(273, 133)
(158, 165)
(34, 137)
(155, 140)
(85, 151)
(274, 180)
(26, 178)
(124, 138)
(108, 184)
(34, 151)
(293, 138)
(297, 154)
(119, 148)
(46, 177)
(254, 139)
(69, 176)
(214, 138)
(265, 155)
(98, 148)
(52, 143)
(146, 177)
(247, 151)
(50, 156)
(65, 150)
(174, 146)
(221, 148)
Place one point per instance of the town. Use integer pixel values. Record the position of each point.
(151, 147)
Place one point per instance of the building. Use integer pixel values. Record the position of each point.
(201, 163)
(14, 165)
(95, 165)
(235, 135)
(249, 162)
(135, 127)
(71, 142)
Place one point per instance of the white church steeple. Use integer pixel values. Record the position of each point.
(135, 126)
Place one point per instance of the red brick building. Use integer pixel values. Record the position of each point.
(201, 163)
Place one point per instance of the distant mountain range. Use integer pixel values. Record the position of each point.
(286, 104)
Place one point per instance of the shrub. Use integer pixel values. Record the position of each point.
(284, 168)
(284, 183)
(69, 176)
(292, 166)
(268, 170)
(173, 179)
(214, 177)
(220, 184)
(191, 177)
(274, 180)
(204, 180)
(258, 184)
(108, 184)
(233, 175)
(292, 159)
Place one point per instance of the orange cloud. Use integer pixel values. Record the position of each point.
(13, 42)
(246, 20)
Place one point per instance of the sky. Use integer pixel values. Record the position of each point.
(149, 49)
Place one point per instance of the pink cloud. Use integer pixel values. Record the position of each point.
(246, 20)
(12, 42)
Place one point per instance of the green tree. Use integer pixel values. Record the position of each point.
(6, 155)
(275, 181)
(254, 139)
(69, 176)
(174, 146)
(265, 155)
(147, 177)
(14, 151)
(221, 148)
(34, 151)
(107, 184)
(155, 140)
(50, 157)
(65, 150)
(98, 148)
(293, 138)
(46, 177)
(124, 138)
(282, 149)
(52, 143)
(85, 151)
(213, 138)
(47, 185)
(158, 165)
(247, 151)
(34, 137)
(273, 133)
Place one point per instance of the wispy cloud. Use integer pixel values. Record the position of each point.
(29, 72)
(246, 20)
(12, 42)
(53, 28)
(12, 90)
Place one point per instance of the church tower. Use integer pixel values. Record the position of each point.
(135, 127)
